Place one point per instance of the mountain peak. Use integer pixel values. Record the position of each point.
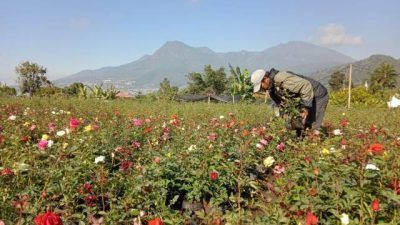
(172, 48)
(175, 44)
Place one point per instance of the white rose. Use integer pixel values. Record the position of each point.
(269, 161)
(371, 167)
(50, 143)
(344, 218)
(99, 159)
(337, 132)
(192, 148)
(60, 133)
(12, 117)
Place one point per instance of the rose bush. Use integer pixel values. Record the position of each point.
(125, 162)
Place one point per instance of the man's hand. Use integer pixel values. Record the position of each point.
(304, 114)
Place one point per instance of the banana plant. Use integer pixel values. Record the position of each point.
(82, 92)
(96, 91)
(241, 83)
(110, 93)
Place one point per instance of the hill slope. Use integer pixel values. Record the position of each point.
(361, 69)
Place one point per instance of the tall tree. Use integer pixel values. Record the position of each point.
(209, 82)
(337, 81)
(384, 76)
(31, 77)
(166, 91)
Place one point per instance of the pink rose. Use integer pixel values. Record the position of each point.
(137, 122)
(42, 145)
(73, 123)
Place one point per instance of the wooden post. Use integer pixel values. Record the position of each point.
(349, 99)
(266, 96)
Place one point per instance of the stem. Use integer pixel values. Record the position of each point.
(101, 187)
(373, 218)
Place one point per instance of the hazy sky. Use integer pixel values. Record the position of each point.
(68, 36)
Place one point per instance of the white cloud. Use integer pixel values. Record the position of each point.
(336, 34)
(79, 23)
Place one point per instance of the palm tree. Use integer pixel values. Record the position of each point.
(384, 76)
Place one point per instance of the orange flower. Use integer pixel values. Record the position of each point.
(375, 205)
(311, 219)
(376, 149)
(156, 221)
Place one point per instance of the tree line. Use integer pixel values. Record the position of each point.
(32, 80)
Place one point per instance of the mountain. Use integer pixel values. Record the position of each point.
(174, 60)
(361, 69)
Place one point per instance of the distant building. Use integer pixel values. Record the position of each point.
(124, 95)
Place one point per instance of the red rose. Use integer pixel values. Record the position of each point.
(91, 200)
(24, 139)
(125, 166)
(48, 218)
(7, 172)
(87, 187)
(344, 122)
(307, 159)
(156, 221)
(376, 148)
(375, 205)
(372, 128)
(311, 219)
(213, 175)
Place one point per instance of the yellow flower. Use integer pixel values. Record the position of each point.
(65, 145)
(45, 137)
(88, 128)
(325, 151)
(169, 154)
(26, 124)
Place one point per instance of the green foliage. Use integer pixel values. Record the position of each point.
(49, 91)
(7, 91)
(359, 95)
(209, 82)
(166, 91)
(31, 76)
(74, 89)
(384, 76)
(337, 81)
(240, 83)
(96, 91)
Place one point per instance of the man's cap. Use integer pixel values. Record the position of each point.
(256, 78)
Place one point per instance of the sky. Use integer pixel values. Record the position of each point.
(68, 36)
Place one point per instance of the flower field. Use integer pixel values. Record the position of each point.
(132, 162)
